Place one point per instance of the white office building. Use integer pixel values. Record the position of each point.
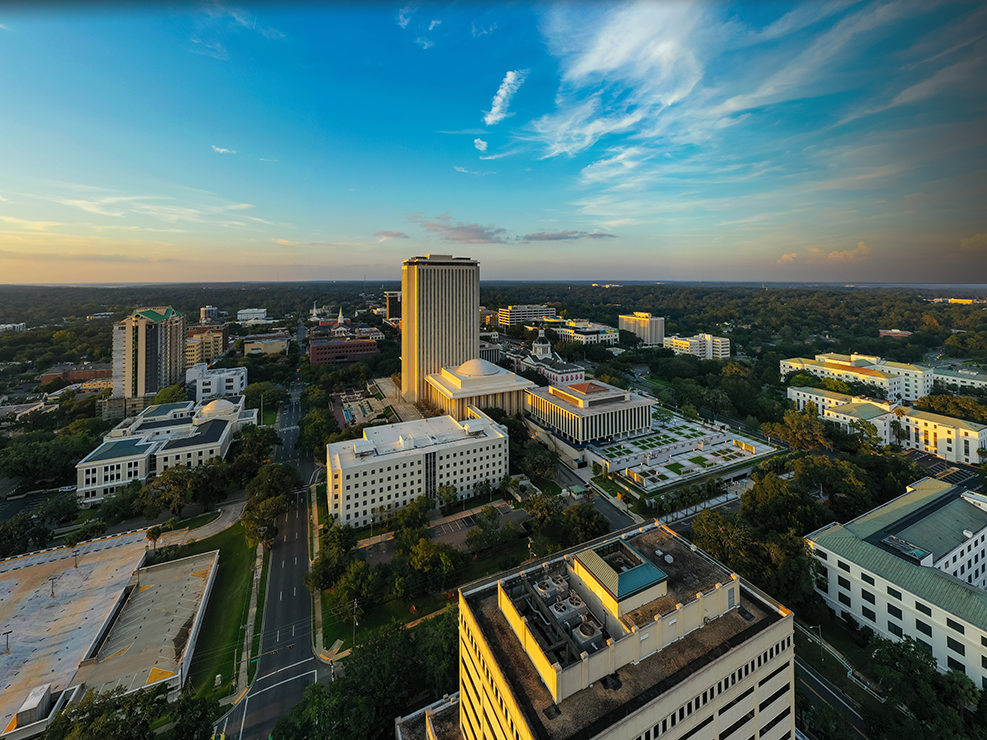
(952, 439)
(897, 380)
(915, 567)
(513, 315)
(962, 379)
(392, 465)
(650, 328)
(206, 383)
(593, 411)
(251, 314)
(703, 346)
(581, 331)
(160, 437)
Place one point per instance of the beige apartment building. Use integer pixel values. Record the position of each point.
(897, 380)
(650, 328)
(148, 352)
(703, 346)
(634, 637)
(440, 308)
(206, 346)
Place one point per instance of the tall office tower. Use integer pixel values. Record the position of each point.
(440, 308)
(650, 328)
(148, 352)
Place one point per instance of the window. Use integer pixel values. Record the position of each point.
(894, 629)
(868, 614)
(867, 579)
(956, 646)
(844, 583)
(927, 611)
(923, 627)
(894, 593)
(954, 625)
(867, 596)
(955, 665)
(843, 566)
(894, 611)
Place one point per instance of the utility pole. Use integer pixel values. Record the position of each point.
(53, 579)
(354, 623)
(7, 636)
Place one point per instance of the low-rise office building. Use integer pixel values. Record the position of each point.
(633, 637)
(203, 383)
(915, 567)
(580, 331)
(589, 412)
(340, 350)
(897, 380)
(543, 361)
(77, 373)
(961, 379)
(703, 346)
(393, 464)
(952, 439)
(513, 315)
(160, 437)
(13, 327)
(251, 314)
(650, 328)
(266, 344)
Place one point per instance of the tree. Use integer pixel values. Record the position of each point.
(539, 461)
(110, 714)
(447, 495)
(544, 510)
(171, 490)
(274, 480)
(828, 724)
(801, 430)
(583, 523)
(257, 441)
(689, 412)
(259, 516)
(171, 394)
(867, 434)
(193, 715)
(154, 534)
(663, 415)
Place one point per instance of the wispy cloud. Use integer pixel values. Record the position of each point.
(221, 150)
(470, 131)
(433, 24)
(502, 99)
(88, 257)
(482, 30)
(3, 27)
(267, 160)
(29, 225)
(461, 233)
(480, 144)
(385, 235)
(216, 21)
(424, 42)
(471, 172)
(404, 15)
(565, 235)
(975, 243)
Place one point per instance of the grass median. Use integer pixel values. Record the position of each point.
(259, 617)
(226, 611)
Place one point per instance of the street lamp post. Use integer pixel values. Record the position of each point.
(52, 580)
(7, 636)
(819, 627)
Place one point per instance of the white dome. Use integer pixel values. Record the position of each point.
(477, 368)
(219, 407)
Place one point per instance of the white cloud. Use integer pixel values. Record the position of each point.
(385, 235)
(424, 42)
(498, 108)
(461, 233)
(267, 160)
(480, 144)
(433, 24)
(861, 253)
(471, 172)
(223, 151)
(482, 31)
(3, 27)
(787, 259)
(404, 15)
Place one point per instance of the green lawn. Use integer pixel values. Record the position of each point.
(342, 629)
(198, 521)
(547, 486)
(607, 485)
(84, 516)
(227, 609)
(698, 460)
(270, 416)
(676, 468)
(259, 617)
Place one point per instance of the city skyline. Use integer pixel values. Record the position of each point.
(838, 141)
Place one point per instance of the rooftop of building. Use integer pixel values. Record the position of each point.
(208, 432)
(588, 712)
(416, 434)
(81, 366)
(157, 313)
(823, 392)
(962, 374)
(950, 421)
(860, 410)
(476, 377)
(922, 525)
(117, 449)
(50, 636)
(441, 258)
(867, 372)
(150, 634)
(163, 409)
(591, 397)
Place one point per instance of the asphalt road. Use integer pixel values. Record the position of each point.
(286, 664)
(819, 691)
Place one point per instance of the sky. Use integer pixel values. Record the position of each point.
(828, 140)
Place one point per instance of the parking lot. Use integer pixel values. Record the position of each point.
(957, 474)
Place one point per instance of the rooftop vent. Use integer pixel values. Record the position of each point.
(669, 559)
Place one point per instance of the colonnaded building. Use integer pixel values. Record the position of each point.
(632, 637)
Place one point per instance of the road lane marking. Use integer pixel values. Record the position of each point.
(287, 680)
(277, 636)
(294, 591)
(821, 698)
(282, 563)
(281, 593)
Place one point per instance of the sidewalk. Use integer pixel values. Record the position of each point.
(318, 639)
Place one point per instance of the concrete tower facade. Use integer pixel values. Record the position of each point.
(148, 352)
(440, 297)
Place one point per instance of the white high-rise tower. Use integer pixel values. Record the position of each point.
(440, 317)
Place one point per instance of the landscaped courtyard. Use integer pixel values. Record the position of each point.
(678, 450)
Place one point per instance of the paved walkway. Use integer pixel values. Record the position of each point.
(392, 394)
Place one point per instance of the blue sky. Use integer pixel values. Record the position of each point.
(821, 141)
